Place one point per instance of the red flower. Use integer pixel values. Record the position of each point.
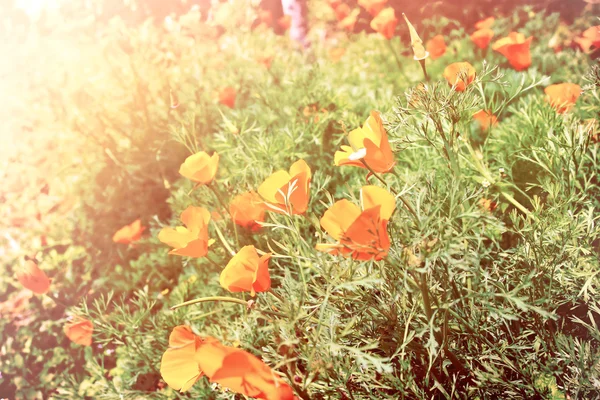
(247, 210)
(459, 75)
(129, 233)
(80, 331)
(516, 49)
(436, 47)
(485, 118)
(563, 96)
(247, 272)
(33, 278)
(361, 235)
(385, 23)
(227, 97)
(482, 37)
(485, 23)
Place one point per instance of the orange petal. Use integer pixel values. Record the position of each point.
(338, 218)
(372, 196)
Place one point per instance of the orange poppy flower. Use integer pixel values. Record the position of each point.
(284, 22)
(178, 366)
(589, 38)
(247, 272)
(190, 356)
(485, 23)
(80, 331)
(33, 278)
(373, 7)
(563, 96)
(385, 23)
(288, 192)
(482, 37)
(265, 61)
(334, 4)
(485, 118)
(516, 49)
(456, 73)
(342, 11)
(369, 144)
(436, 47)
(200, 167)
(191, 240)
(336, 54)
(247, 210)
(360, 235)
(227, 96)
(241, 372)
(313, 110)
(349, 22)
(487, 204)
(129, 233)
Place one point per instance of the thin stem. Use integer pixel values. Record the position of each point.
(429, 313)
(217, 194)
(400, 67)
(402, 199)
(223, 241)
(424, 68)
(515, 203)
(208, 299)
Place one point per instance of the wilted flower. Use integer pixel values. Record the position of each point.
(485, 118)
(191, 240)
(288, 192)
(516, 49)
(373, 7)
(361, 235)
(563, 96)
(80, 331)
(373, 138)
(482, 37)
(200, 167)
(189, 357)
(459, 75)
(485, 23)
(415, 41)
(436, 47)
(247, 210)
(227, 96)
(385, 23)
(129, 233)
(33, 278)
(247, 272)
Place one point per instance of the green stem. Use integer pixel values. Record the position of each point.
(223, 241)
(208, 299)
(223, 204)
(402, 199)
(429, 313)
(424, 68)
(515, 203)
(389, 43)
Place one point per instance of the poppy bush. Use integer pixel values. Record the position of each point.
(211, 212)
